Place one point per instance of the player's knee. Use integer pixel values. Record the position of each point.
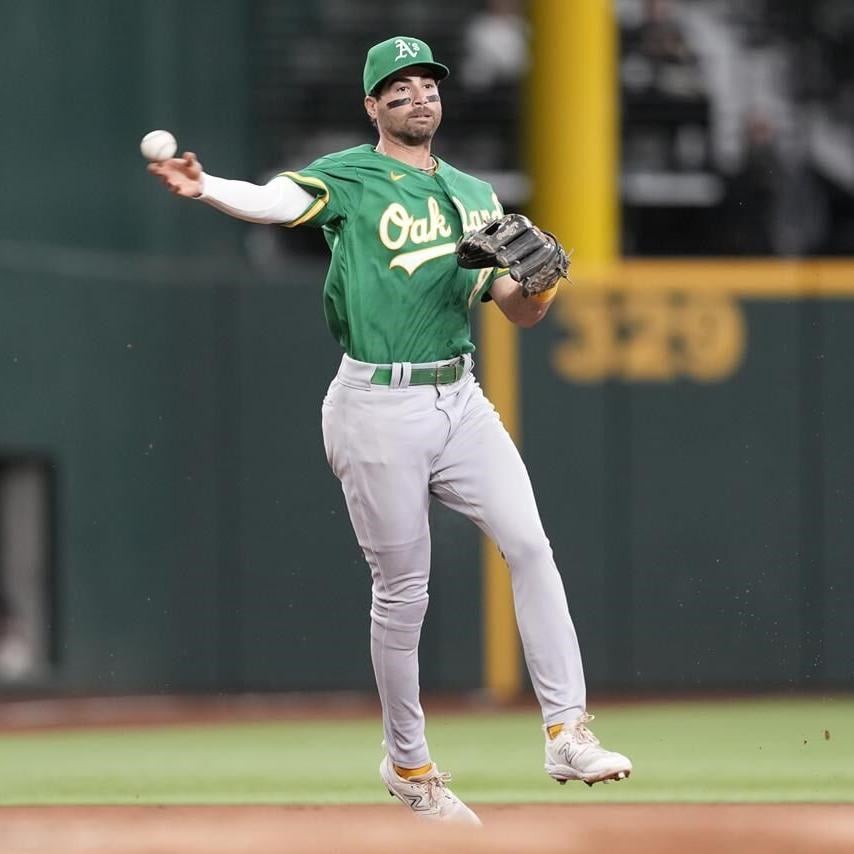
(405, 611)
(526, 550)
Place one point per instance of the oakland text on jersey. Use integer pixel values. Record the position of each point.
(398, 227)
(476, 219)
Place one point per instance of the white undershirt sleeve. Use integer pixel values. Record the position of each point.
(279, 201)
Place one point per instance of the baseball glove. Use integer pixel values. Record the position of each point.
(534, 258)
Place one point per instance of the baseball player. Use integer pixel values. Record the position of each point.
(415, 243)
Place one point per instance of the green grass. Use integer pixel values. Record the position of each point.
(758, 750)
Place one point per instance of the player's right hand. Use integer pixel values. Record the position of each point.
(182, 175)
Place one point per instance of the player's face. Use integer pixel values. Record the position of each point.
(408, 108)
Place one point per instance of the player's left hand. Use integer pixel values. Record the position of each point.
(533, 257)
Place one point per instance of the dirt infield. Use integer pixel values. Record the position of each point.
(633, 828)
(379, 829)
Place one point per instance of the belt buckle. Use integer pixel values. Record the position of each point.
(436, 380)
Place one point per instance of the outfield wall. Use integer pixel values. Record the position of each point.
(696, 489)
(697, 418)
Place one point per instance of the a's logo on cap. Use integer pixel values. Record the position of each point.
(405, 49)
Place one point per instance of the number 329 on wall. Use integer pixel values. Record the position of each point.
(649, 336)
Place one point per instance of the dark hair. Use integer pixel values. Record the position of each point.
(378, 89)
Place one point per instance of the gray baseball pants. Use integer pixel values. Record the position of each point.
(392, 448)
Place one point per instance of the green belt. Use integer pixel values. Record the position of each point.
(441, 375)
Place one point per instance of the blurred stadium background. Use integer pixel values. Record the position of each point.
(168, 524)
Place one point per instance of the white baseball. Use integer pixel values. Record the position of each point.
(158, 145)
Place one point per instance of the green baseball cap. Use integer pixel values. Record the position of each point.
(395, 53)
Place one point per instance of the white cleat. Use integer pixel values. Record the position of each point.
(427, 795)
(575, 754)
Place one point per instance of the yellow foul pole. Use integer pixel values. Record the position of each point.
(572, 126)
(571, 150)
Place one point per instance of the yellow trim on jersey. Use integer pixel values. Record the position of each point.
(479, 283)
(478, 290)
(316, 206)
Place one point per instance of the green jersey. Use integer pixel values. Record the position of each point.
(394, 291)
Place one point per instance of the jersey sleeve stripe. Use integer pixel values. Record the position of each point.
(478, 288)
(484, 283)
(317, 205)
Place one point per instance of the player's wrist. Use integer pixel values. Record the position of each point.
(546, 296)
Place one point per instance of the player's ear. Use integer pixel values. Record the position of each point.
(371, 107)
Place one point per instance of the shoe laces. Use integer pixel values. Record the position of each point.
(436, 784)
(579, 731)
